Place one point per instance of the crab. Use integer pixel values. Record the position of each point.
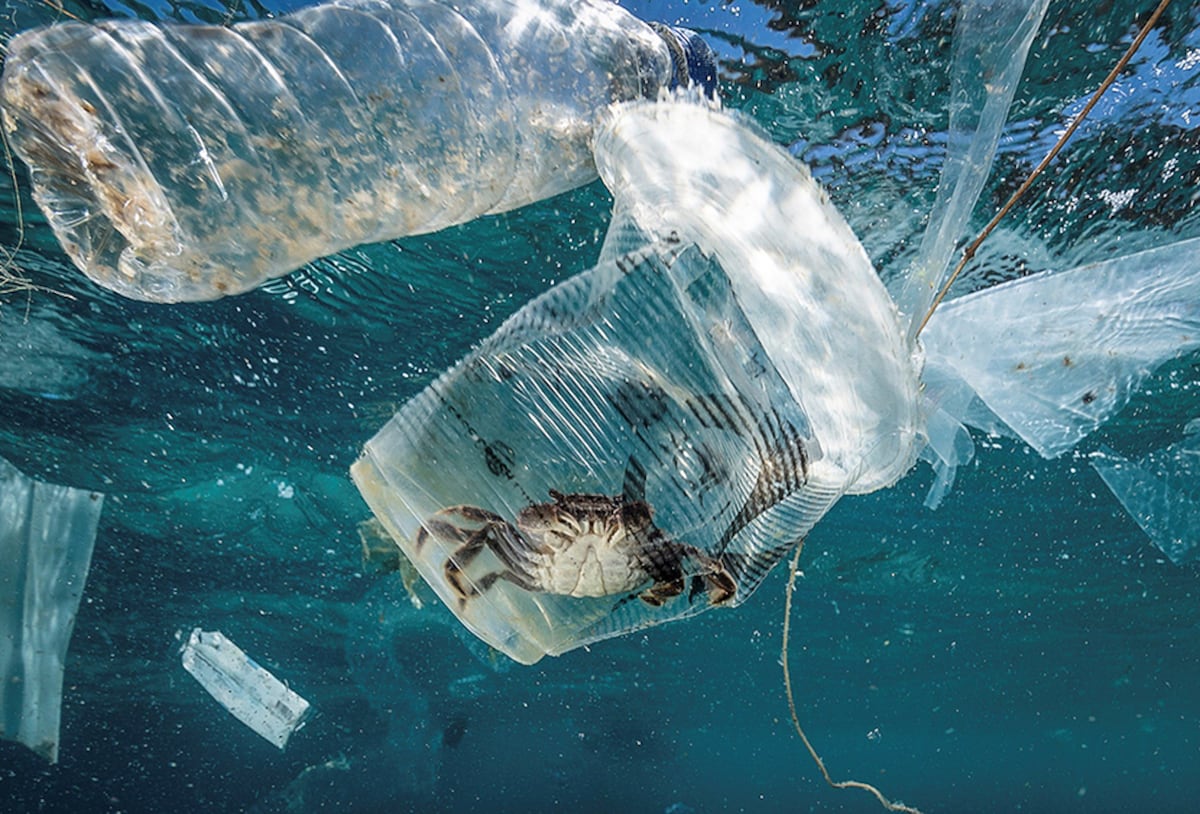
(579, 545)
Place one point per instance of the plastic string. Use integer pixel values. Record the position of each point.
(787, 685)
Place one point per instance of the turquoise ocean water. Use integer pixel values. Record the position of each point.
(1025, 647)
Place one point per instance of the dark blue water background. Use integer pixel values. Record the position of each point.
(1023, 648)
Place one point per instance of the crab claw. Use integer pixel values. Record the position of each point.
(657, 594)
(721, 587)
(720, 583)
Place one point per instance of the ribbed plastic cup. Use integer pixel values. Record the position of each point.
(183, 162)
(647, 439)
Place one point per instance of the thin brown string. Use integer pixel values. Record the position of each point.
(61, 9)
(787, 685)
(969, 252)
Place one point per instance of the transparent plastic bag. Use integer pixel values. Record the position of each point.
(647, 439)
(183, 162)
(47, 533)
(815, 301)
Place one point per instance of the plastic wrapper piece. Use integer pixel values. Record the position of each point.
(184, 162)
(1162, 493)
(46, 537)
(254, 696)
(1055, 355)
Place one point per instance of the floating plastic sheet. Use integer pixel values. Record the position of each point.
(46, 537)
(1055, 355)
(183, 162)
(646, 440)
(1162, 493)
(947, 400)
(991, 41)
(254, 696)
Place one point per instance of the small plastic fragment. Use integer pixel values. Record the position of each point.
(1162, 493)
(254, 696)
(47, 533)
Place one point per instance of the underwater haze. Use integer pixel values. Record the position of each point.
(1024, 647)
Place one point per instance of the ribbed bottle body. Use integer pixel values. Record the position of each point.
(180, 162)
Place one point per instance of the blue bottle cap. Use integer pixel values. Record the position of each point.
(693, 60)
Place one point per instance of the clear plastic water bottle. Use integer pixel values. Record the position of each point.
(184, 162)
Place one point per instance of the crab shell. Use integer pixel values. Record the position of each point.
(592, 545)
